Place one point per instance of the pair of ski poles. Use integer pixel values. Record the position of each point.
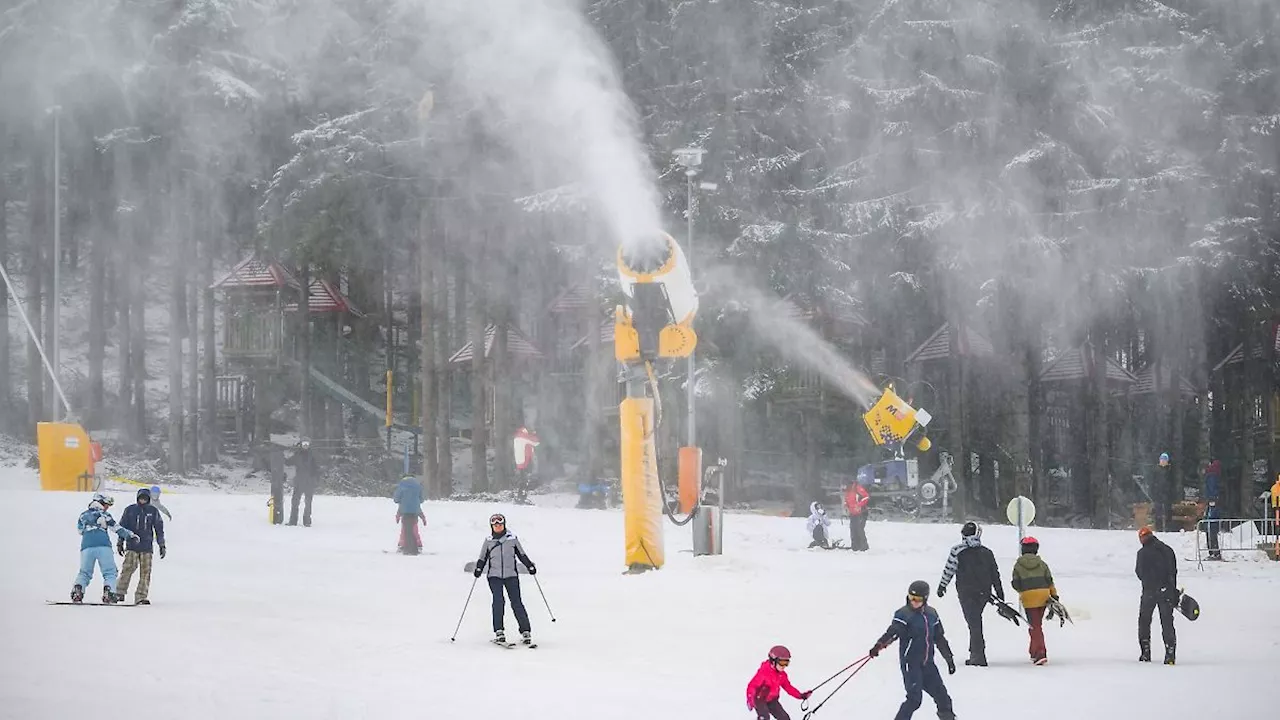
(856, 666)
(473, 589)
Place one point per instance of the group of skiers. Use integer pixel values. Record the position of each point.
(139, 534)
(920, 634)
(856, 499)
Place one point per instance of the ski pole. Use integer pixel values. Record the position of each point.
(464, 608)
(841, 672)
(544, 598)
(859, 665)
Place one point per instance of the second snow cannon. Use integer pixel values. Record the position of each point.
(892, 421)
(656, 323)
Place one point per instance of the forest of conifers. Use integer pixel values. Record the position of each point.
(1054, 223)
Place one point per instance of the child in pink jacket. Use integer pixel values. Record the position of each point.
(766, 687)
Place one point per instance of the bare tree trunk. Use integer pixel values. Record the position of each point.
(425, 292)
(177, 317)
(193, 343)
(597, 386)
(209, 424)
(439, 357)
(501, 368)
(479, 404)
(1096, 422)
(38, 214)
(304, 349)
(138, 346)
(1244, 400)
(6, 382)
(955, 411)
(102, 214)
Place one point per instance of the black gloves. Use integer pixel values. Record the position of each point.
(532, 570)
(478, 571)
(162, 552)
(805, 695)
(120, 547)
(875, 649)
(951, 665)
(942, 590)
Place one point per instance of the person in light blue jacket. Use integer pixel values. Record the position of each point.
(408, 499)
(96, 526)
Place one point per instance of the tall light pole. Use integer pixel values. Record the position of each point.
(54, 297)
(690, 158)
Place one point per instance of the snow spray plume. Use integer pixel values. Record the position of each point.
(773, 319)
(537, 75)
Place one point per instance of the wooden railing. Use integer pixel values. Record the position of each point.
(253, 335)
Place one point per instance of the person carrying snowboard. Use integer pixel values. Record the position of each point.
(977, 580)
(1157, 569)
(500, 552)
(918, 630)
(1033, 580)
(856, 499)
(94, 525)
(818, 524)
(408, 499)
(143, 520)
(764, 692)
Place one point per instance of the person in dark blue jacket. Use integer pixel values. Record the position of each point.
(918, 630)
(143, 520)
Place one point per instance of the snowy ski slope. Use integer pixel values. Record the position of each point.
(255, 621)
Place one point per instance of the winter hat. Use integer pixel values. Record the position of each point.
(970, 528)
(815, 508)
(144, 493)
(1143, 533)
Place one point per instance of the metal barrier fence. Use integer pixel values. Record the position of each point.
(1236, 535)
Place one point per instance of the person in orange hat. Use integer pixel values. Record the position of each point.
(1157, 570)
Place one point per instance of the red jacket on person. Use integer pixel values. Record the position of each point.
(768, 684)
(856, 499)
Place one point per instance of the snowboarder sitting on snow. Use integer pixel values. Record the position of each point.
(1033, 580)
(918, 630)
(500, 552)
(1157, 569)
(765, 689)
(142, 519)
(95, 547)
(977, 578)
(408, 499)
(818, 524)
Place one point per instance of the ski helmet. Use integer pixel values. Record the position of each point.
(155, 491)
(497, 518)
(918, 590)
(971, 529)
(1030, 545)
(779, 652)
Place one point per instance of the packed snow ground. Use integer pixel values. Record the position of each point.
(256, 621)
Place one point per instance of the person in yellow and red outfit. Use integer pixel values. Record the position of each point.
(1033, 580)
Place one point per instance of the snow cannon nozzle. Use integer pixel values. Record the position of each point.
(645, 258)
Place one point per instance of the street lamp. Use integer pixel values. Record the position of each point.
(690, 158)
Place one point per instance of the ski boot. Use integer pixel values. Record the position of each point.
(108, 596)
(946, 715)
(1169, 655)
(500, 637)
(1145, 651)
(77, 594)
(143, 601)
(526, 638)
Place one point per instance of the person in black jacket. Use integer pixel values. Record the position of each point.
(305, 479)
(143, 520)
(977, 580)
(919, 632)
(1157, 569)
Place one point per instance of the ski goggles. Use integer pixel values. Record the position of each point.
(781, 662)
(915, 598)
(498, 520)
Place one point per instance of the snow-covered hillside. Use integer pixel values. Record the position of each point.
(256, 621)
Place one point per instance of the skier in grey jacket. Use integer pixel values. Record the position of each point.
(500, 552)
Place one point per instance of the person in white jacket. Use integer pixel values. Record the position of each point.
(818, 524)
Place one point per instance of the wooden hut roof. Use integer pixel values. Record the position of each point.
(324, 296)
(255, 273)
(1236, 356)
(606, 336)
(1145, 383)
(574, 299)
(802, 306)
(518, 344)
(938, 346)
(1070, 366)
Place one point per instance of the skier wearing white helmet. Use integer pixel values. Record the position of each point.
(95, 526)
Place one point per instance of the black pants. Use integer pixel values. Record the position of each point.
(858, 532)
(277, 503)
(512, 585)
(972, 606)
(298, 494)
(1211, 531)
(1149, 603)
(773, 707)
(919, 680)
(819, 537)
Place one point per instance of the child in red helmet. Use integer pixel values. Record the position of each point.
(1033, 580)
(766, 687)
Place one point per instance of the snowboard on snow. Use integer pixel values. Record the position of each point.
(471, 568)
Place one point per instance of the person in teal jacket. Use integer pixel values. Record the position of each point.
(96, 526)
(408, 499)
